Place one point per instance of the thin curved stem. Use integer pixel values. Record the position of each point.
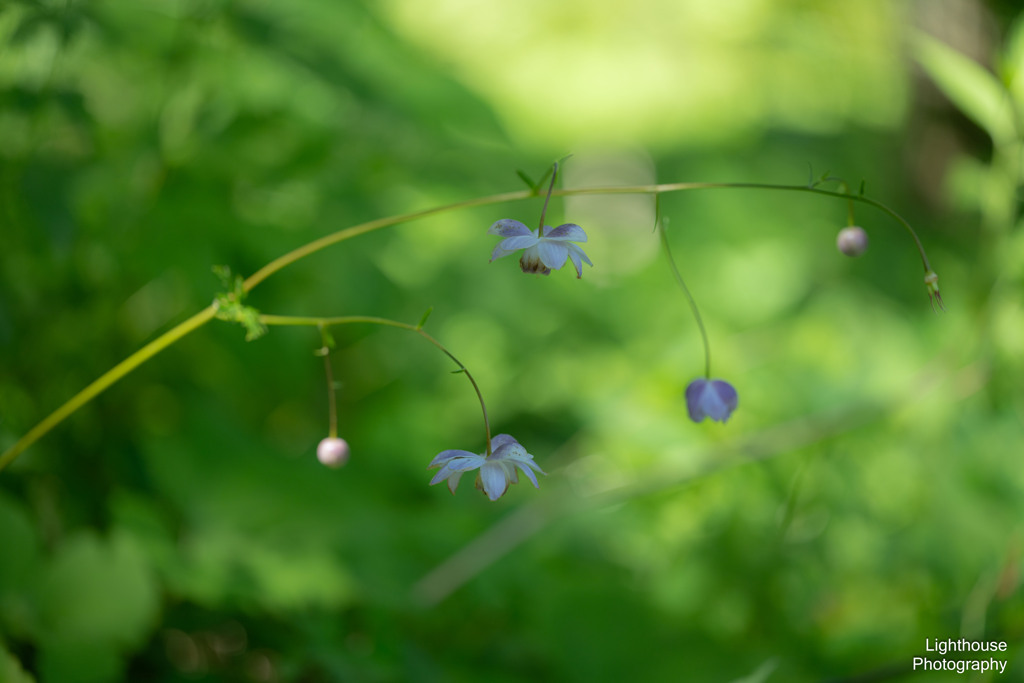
(97, 387)
(551, 186)
(689, 298)
(207, 314)
(363, 228)
(681, 187)
(332, 401)
(845, 189)
(291, 320)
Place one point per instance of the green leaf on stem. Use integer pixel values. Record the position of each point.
(526, 179)
(223, 274)
(326, 337)
(230, 307)
(423, 320)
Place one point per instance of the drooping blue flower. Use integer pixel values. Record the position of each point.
(497, 471)
(714, 398)
(544, 253)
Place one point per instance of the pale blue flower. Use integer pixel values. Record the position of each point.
(497, 471)
(543, 253)
(714, 398)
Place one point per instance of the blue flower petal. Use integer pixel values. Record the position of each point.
(495, 482)
(518, 242)
(529, 473)
(499, 252)
(509, 448)
(507, 227)
(453, 481)
(567, 231)
(445, 456)
(552, 254)
(578, 258)
(716, 399)
(501, 440)
(512, 245)
(458, 465)
(723, 400)
(694, 392)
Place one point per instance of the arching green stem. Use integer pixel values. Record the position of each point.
(207, 314)
(363, 228)
(279, 320)
(109, 377)
(682, 187)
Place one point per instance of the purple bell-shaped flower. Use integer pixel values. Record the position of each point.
(714, 398)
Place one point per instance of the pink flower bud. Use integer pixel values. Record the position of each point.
(852, 240)
(332, 452)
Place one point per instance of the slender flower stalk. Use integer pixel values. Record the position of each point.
(705, 397)
(332, 451)
(689, 299)
(551, 186)
(209, 313)
(332, 401)
(845, 189)
(289, 320)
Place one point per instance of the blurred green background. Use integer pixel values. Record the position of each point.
(868, 493)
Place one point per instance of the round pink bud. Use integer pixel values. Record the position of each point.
(852, 240)
(332, 452)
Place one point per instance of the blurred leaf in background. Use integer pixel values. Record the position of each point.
(867, 493)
